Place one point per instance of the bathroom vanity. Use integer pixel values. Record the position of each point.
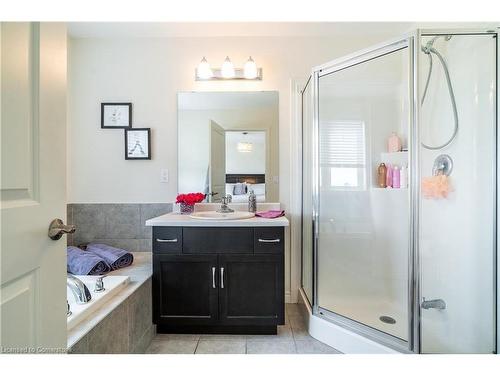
(218, 276)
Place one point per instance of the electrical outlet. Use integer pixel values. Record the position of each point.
(164, 175)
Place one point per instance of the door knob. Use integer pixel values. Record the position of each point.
(57, 229)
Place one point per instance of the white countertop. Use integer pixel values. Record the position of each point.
(176, 219)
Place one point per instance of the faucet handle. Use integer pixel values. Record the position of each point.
(226, 199)
(99, 285)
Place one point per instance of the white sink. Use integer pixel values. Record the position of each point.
(214, 215)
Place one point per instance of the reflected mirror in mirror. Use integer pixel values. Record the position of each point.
(228, 144)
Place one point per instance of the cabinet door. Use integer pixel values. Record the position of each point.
(185, 289)
(251, 290)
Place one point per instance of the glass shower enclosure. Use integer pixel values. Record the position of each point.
(399, 192)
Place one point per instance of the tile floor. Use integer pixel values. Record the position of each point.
(292, 338)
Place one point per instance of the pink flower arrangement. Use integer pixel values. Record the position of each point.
(190, 199)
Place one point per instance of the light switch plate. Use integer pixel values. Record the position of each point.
(164, 175)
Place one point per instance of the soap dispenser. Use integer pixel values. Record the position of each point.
(252, 202)
(382, 175)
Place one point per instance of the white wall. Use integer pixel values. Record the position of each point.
(150, 72)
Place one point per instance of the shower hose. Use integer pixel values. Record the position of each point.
(429, 50)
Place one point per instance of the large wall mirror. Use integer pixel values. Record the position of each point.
(228, 144)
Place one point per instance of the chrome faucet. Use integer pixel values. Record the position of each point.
(438, 304)
(224, 201)
(79, 289)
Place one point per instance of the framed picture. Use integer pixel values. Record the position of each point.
(138, 144)
(116, 115)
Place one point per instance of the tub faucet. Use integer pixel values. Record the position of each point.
(79, 289)
(223, 206)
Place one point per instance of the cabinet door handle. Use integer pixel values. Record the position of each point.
(213, 278)
(270, 241)
(167, 240)
(222, 277)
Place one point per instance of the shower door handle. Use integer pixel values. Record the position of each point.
(438, 304)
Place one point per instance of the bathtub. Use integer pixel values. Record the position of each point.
(112, 284)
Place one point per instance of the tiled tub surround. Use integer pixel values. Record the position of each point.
(115, 224)
(124, 324)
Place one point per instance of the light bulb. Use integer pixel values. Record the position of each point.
(250, 69)
(204, 71)
(227, 69)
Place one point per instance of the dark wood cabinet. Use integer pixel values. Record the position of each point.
(252, 291)
(218, 280)
(185, 289)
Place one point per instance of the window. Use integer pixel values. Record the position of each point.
(343, 154)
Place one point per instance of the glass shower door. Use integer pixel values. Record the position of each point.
(457, 213)
(363, 238)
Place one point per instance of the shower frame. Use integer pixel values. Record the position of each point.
(412, 42)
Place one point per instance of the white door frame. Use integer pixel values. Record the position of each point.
(295, 212)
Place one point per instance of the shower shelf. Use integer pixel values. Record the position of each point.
(398, 158)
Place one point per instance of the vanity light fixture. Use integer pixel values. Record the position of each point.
(244, 146)
(204, 71)
(250, 69)
(228, 71)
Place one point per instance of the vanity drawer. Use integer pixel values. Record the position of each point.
(167, 240)
(205, 240)
(269, 240)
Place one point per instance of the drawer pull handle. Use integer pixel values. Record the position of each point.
(270, 241)
(167, 240)
(213, 278)
(222, 277)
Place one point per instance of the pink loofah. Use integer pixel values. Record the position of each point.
(436, 187)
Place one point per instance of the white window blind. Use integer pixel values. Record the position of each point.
(342, 144)
(342, 154)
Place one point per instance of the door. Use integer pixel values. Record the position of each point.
(33, 187)
(251, 289)
(185, 289)
(363, 227)
(457, 230)
(217, 166)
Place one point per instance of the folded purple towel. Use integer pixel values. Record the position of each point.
(114, 257)
(81, 262)
(270, 214)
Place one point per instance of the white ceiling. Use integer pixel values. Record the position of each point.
(232, 29)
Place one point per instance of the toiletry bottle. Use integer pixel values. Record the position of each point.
(388, 179)
(382, 175)
(394, 143)
(403, 177)
(252, 202)
(396, 184)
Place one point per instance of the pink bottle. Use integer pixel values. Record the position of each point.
(396, 177)
(388, 181)
(394, 143)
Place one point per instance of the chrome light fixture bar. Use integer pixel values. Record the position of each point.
(228, 72)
